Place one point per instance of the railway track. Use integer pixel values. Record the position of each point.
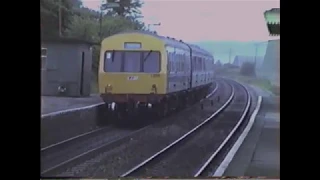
(193, 153)
(58, 157)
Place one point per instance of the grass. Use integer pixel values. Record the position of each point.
(263, 83)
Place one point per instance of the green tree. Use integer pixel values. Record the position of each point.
(83, 27)
(83, 23)
(248, 69)
(127, 8)
(49, 12)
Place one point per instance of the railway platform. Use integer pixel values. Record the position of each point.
(65, 117)
(259, 154)
(55, 105)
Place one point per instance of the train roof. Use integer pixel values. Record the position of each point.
(171, 41)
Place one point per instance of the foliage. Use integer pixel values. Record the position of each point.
(127, 8)
(248, 69)
(83, 23)
(230, 66)
(49, 10)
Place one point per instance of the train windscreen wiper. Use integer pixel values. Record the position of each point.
(147, 56)
(112, 56)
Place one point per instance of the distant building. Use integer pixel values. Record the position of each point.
(239, 60)
(65, 67)
(218, 63)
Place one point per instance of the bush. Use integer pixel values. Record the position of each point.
(275, 90)
(248, 69)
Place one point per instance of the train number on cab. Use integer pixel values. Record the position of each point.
(132, 78)
(155, 75)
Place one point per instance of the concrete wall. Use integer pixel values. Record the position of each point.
(271, 64)
(64, 68)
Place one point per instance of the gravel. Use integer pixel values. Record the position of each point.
(185, 159)
(114, 161)
(60, 153)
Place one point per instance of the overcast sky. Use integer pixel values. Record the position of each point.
(198, 20)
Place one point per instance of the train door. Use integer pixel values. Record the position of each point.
(82, 74)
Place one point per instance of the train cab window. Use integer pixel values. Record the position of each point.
(151, 62)
(173, 63)
(132, 61)
(112, 61)
(43, 58)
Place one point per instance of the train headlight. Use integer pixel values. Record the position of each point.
(108, 88)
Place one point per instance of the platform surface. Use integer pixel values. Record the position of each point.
(259, 154)
(51, 104)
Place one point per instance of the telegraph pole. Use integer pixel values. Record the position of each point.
(255, 56)
(230, 53)
(60, 19)
(100, 22)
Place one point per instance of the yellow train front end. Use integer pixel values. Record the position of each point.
(132, 70)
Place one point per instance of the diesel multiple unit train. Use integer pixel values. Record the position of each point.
(141, 70)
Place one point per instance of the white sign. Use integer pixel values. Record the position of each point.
(109, 55)
(132, 78)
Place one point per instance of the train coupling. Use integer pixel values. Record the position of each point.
(148, 105)
(112, 106)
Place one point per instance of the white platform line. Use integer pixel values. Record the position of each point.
(225, 163)
(70, 110)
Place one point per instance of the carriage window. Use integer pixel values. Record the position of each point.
(112, 61)
(183, 63)
(152, 64)
(179, 62)
(194, 64)
(171, 62)
(199, 64)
